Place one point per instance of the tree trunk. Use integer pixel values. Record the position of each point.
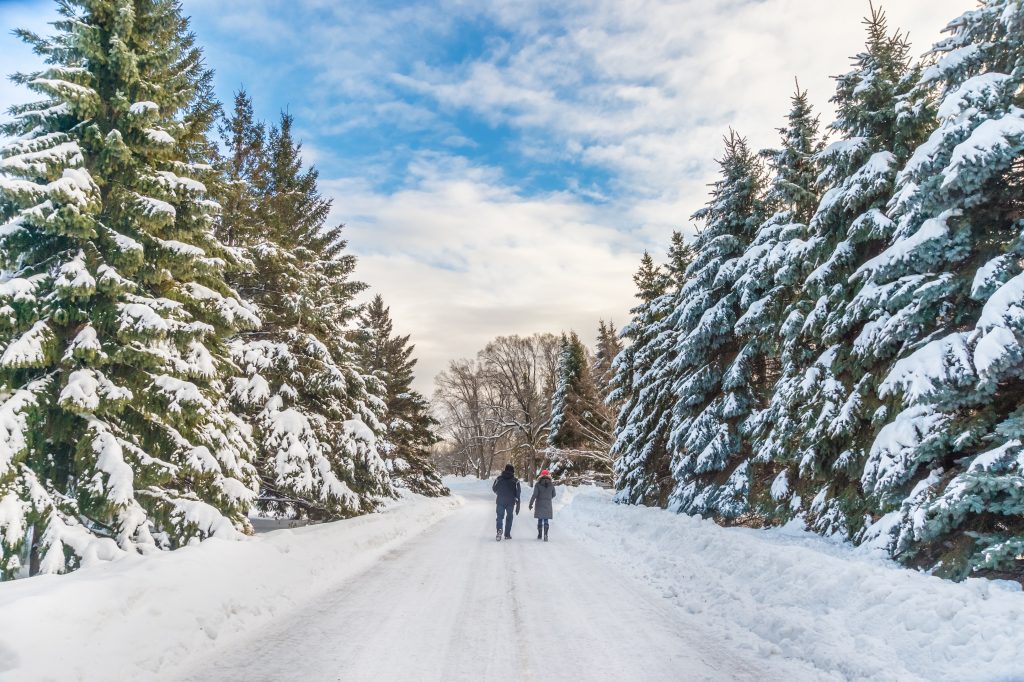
(34, 559)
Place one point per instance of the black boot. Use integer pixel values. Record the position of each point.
(545, 534)
(538, 532)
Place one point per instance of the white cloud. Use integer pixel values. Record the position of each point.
(644, 87)
(461, 257)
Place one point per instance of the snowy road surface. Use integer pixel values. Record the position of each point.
(452, 604)
(422, 592)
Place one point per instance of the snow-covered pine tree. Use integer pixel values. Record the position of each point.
(771, 272)
(948, 295)
(115, 433)
(315, 415)
(642, 385)
(680, 254)
(608, 347)
(579, 436)
(408, 432)
(650, 279)
(827, 384)
(242, 166)
(711, 380)
(646, 455)
(562, 429)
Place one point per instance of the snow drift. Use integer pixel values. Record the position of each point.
(850, 612)
(140, 618)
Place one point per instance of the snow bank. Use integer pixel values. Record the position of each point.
(143, 618)
(793, 594)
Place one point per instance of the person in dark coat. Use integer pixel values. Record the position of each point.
(540, 502)
(506, 487)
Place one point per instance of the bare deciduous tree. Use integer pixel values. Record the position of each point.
(464, 398)
(497, 408)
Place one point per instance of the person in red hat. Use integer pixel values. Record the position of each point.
(540, 502)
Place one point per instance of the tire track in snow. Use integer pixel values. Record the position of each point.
(522, 654)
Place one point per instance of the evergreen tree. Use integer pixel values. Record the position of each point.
(314, 413)
(651, 281)
(116, 435)
(642, 386)
(771, 272)
(579, 435)
(947, 296)
(680, 255)
(608, 348)
(564, 430)
(408, 432)
(243, 167)
(893, 305)
(713, 379)
(825, 401)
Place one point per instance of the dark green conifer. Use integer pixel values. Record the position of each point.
(579, 438)
(315, 416)
(116, 433)
(408, 429)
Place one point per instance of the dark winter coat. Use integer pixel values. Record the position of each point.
(543, 493)
(507, 488)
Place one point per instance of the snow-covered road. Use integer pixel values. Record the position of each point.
(453, 604)
(423, 592)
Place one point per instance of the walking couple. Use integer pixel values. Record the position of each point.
(507, 488)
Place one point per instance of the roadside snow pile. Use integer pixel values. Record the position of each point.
(849, 614)
(141, 618)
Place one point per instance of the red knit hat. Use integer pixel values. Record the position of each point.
(544, 472)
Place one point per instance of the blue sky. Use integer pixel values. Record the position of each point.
(502, 165)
